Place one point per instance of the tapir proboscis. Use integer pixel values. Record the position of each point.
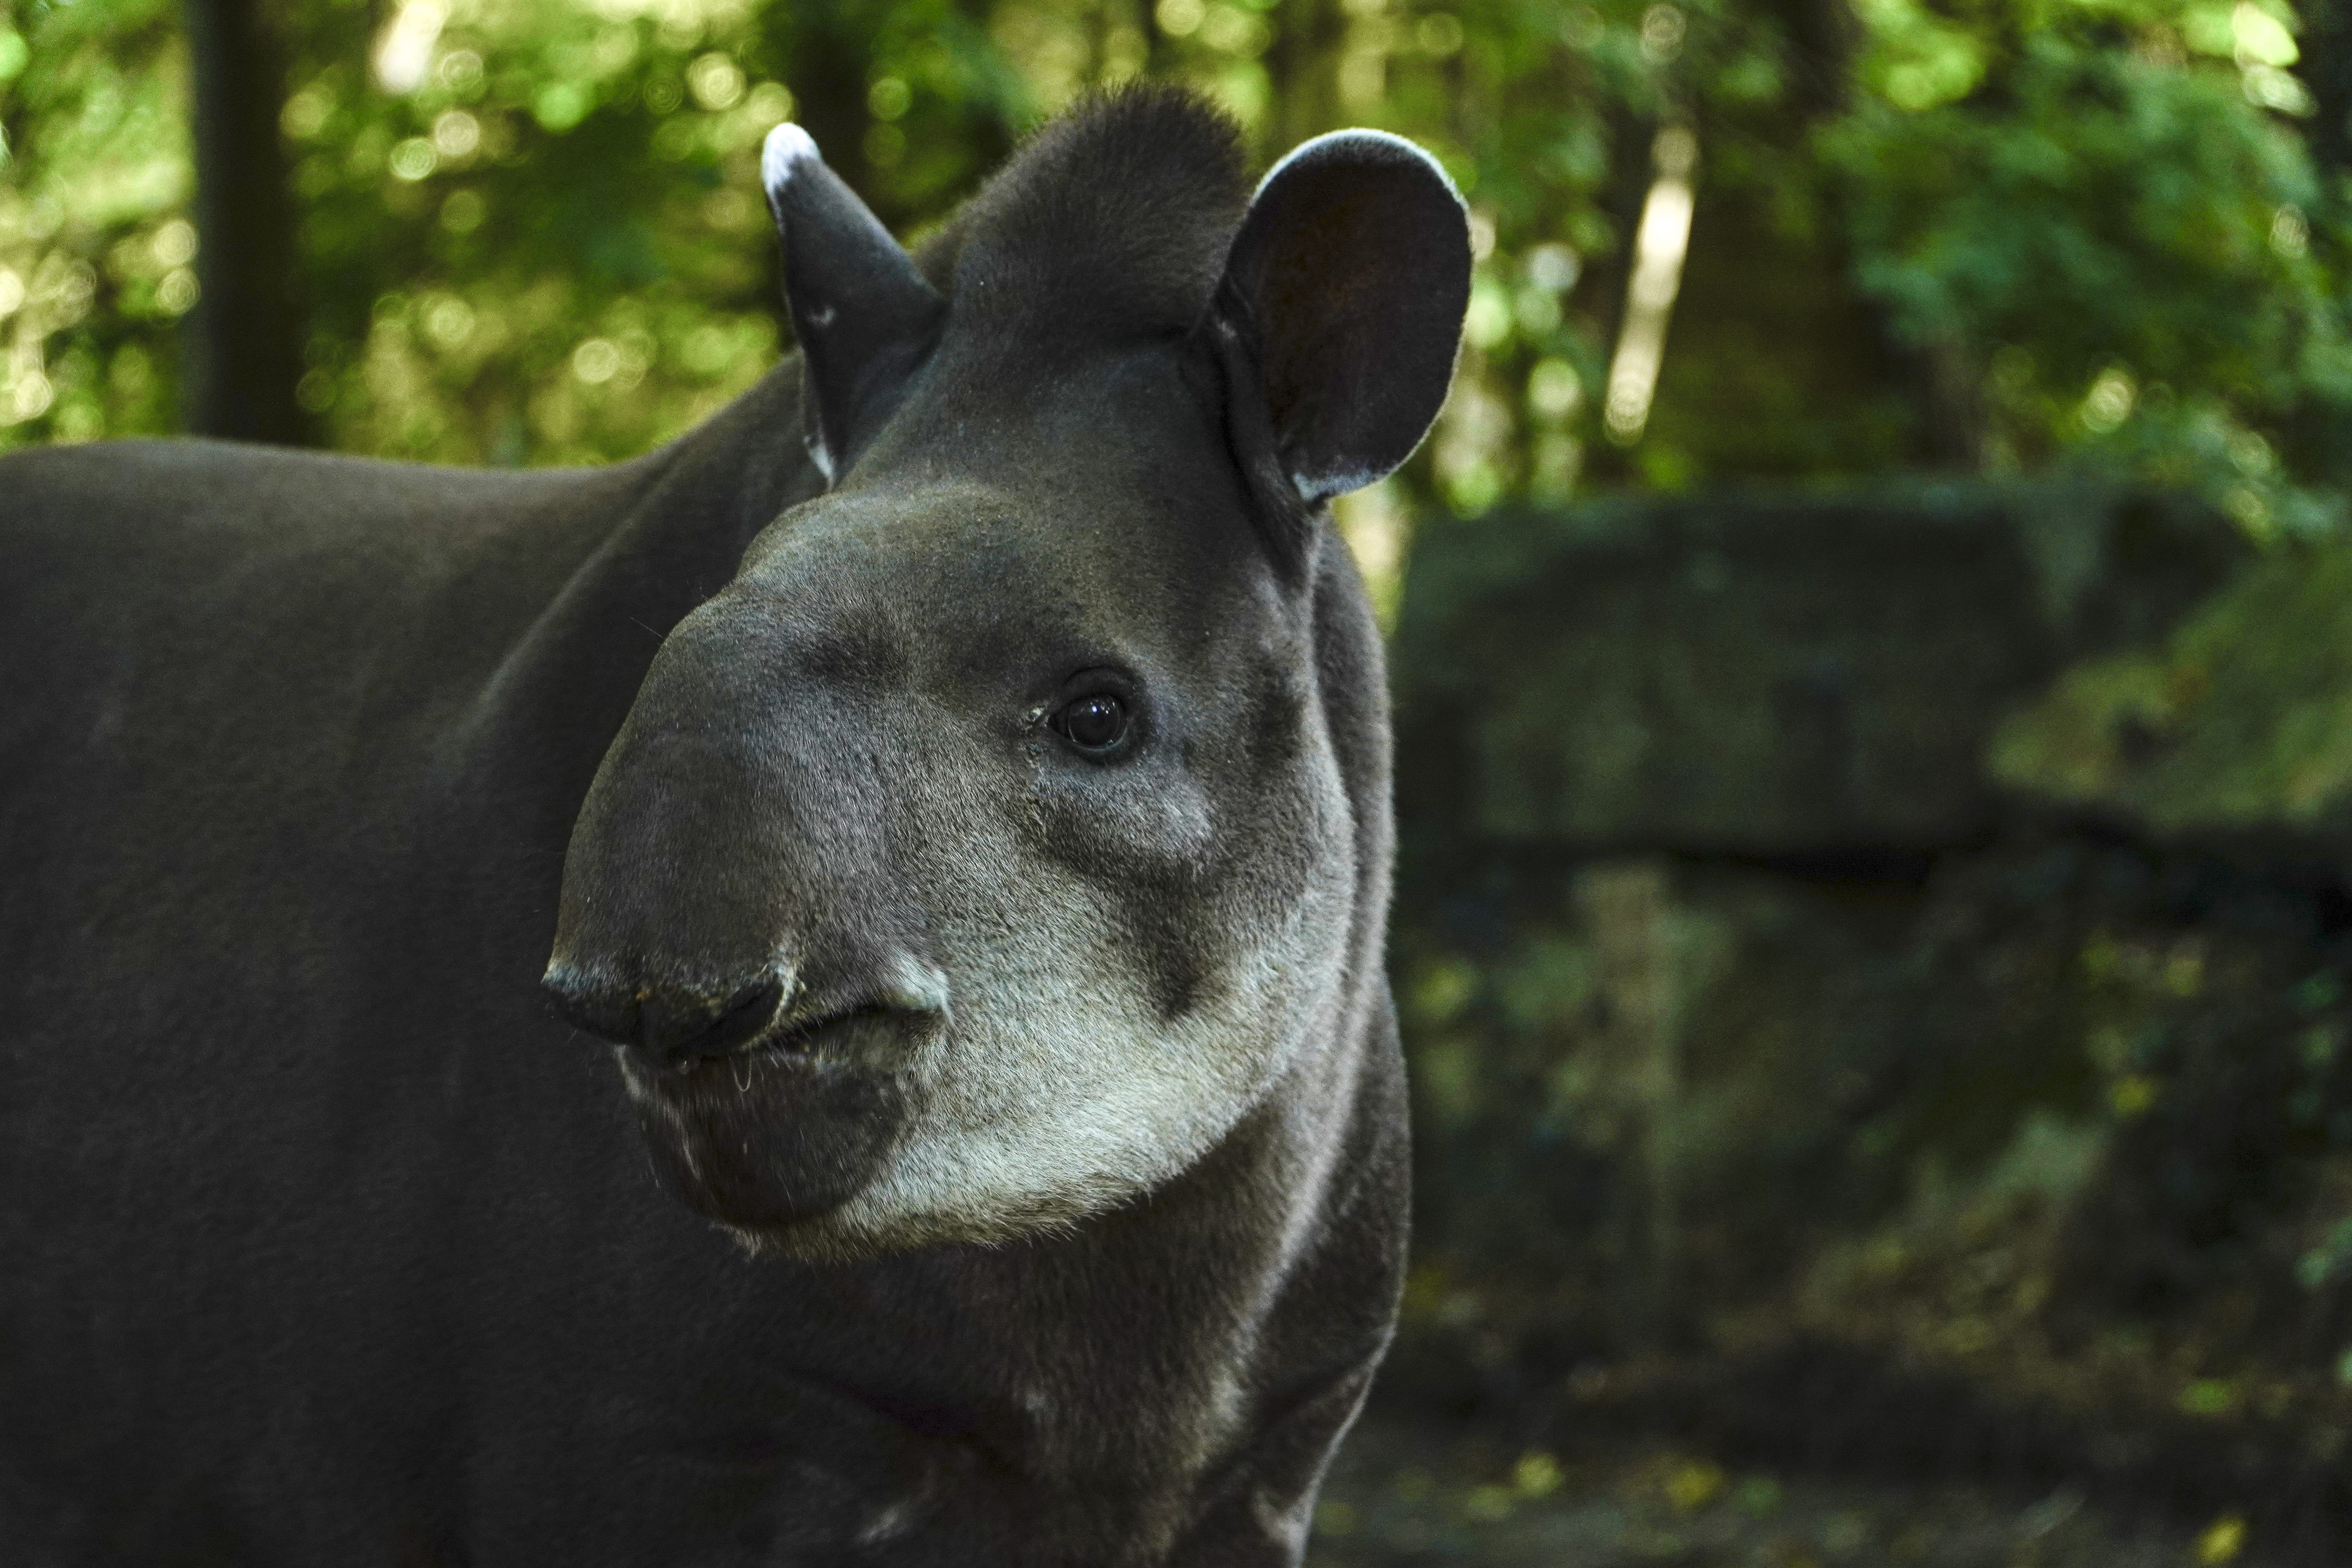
(811, 997)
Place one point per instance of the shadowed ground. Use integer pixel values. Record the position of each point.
(1414, 1493)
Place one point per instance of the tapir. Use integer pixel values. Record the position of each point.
(811, 997)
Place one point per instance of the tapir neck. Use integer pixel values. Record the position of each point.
(688, 511)
(649, 541)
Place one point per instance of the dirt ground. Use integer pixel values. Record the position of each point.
(1404, 1495)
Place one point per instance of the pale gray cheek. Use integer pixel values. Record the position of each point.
(1059, 1088)
(1174, 820)
(1155, 823)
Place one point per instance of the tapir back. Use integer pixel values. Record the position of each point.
(230, 673)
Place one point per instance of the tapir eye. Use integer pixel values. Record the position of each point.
(1096, 722)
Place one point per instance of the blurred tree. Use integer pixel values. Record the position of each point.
(2327, 45)
(248, 324)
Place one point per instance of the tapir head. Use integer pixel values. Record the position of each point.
(985, 850)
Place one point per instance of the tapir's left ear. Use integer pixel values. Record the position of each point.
(1349, 277)
(865, 316)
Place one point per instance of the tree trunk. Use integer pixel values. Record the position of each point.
(1940, 382)
(245, 330)
(829, 67)
(1632, 170)
(1302, 70)
(2327, 72)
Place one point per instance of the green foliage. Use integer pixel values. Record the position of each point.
(93, 250)
(531, 233)
(534, 230)
(2242, 723)
(2114, 230)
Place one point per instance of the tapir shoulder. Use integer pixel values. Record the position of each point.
(170, 574)
(171, 521)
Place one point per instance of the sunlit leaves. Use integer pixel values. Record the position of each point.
(2110, 220)
(92, 268)
(516, 225)
(1919, 59)
(485, 186)
(533, 232)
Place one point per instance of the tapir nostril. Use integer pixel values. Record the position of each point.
(609, 1011)
(684, 1031)
(675, 1026)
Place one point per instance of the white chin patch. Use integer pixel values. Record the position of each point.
(787, 147)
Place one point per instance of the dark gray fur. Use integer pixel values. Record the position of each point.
(325, 1239)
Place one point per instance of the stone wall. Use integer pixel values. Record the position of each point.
(1808, 959)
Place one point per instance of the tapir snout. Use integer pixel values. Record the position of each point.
(736, 841)
(731, 913)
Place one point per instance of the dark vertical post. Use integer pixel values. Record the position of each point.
(1303, 67)
(246, 331)
(2326, 70)
(2321, 432)
(829, 64)
(1940, 381)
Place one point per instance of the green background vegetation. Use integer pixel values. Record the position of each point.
(1990, 237)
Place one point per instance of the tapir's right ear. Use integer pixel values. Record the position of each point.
(1347, 284)
(865, 317)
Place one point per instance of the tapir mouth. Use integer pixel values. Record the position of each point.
(826, 1038)
(783, 1101)
(831, 1037)
(789, 1124)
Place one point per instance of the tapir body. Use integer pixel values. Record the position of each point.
(954, 781)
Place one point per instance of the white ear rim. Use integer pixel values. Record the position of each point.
(1382, 145)
(787, 147)
(781, 156)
